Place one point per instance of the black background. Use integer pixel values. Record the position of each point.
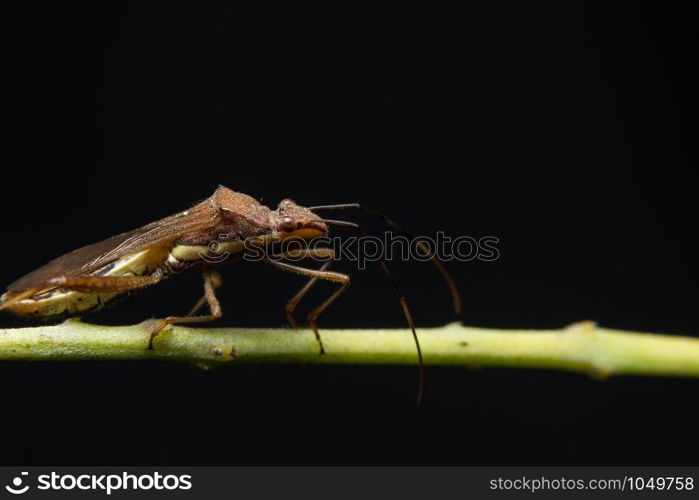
(567, 131)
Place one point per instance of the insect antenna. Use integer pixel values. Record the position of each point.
(456, 298)
(401, 297)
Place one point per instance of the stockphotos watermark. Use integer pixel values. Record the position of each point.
(100, 483)
(359, 249)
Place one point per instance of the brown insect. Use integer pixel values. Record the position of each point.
(228, 222)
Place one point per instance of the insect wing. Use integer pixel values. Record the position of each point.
(87, 259)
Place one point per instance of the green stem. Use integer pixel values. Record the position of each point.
(582, 347)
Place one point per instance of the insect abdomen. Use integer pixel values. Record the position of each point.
(56, 301)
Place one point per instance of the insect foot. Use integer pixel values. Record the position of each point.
(581, 326)
(312, 321)
(154, 327)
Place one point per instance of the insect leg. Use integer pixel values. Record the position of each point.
(87, 284)
(322, 253)
(200, 303)
(313, 315)
(217, 282)
(401, 296)
(293, 302)
(456, 297)
(8, 300)
(212, 281)
(319, 274)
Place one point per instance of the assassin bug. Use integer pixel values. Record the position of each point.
(88, 278)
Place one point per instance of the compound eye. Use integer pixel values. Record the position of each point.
(288, 224)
